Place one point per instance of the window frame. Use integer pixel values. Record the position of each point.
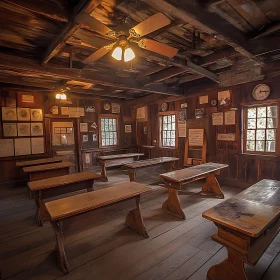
(108, 116)
(244, 129)
(161, 115)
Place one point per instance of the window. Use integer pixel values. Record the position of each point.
(108, 131)
(260, 129)
(168, 131)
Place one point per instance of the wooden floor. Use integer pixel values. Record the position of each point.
(176, 249)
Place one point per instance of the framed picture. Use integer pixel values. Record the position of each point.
(37, 129)
(9, 129)
(37, 145)
(199, 113)
(57, 130)
(23, 129)
(116, 108)
(23, 114)
(9, 114)
(22, 146)
(36, 115)
(63, 130)
(85, 138)
(141, 113)
(69, 130)
(127, 128)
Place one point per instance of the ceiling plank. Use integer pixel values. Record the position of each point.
(70, 28)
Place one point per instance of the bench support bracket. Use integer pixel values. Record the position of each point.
(212, 186)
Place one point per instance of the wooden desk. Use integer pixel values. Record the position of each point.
(84, 209)
(149, 148)
(38, 172)
(176, 179)
(39, 161)
(131, 167)
(46, 188)
(116, 160)
(247, 224)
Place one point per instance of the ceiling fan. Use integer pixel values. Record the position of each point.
(124, 37)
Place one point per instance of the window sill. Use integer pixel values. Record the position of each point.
(260, 156)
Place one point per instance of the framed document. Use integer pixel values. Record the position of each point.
(36, 115)
(9, 129)
(37, 145)
(23, 114)
(127, 128)
(22, 146)
(9, 114)
(23, 129)
(7, 148)
(37, 129)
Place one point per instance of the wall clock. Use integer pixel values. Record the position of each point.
(261, 91)
(164, 107)
(107, 106)
(214, 102)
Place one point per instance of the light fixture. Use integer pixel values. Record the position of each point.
(58, 96)
(63, 96)
(117, 53)
(128, 54)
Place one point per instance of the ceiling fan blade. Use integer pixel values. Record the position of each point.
(157, 47)
(98, 54)
(149, 25)
(95, 25)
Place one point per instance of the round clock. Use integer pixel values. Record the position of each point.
(107, 106)
(261, 91)
(164, 107)
(214, 102)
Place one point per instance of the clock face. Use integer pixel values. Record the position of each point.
(107, 106)
(214, 102)
(164, 107)
(261, 92)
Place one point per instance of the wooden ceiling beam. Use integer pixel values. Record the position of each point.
(70, 28)
(30, 67)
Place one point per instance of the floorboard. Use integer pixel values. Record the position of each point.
(176, 249)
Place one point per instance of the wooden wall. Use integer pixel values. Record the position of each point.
(244, 169)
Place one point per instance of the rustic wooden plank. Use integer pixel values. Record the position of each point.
(39, 161)
(44, 167)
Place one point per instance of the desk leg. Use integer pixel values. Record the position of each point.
(36, 197)
(57, 227)
(135, 221)
(132, 174)
(104, 177)
(212, 186)
(231, 269)
(169, 166)
(172, 204)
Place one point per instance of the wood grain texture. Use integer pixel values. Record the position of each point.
(45, 167)
(149, 162)
(128, 155)
(39, 161)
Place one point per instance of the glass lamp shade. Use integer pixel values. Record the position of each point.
(117, 53)
(63, 96)
(128, 54)
(58, 96)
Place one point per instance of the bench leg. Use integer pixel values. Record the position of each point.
(135, 221)
(57, 227)
(231, 269)
(212, 186)
(132, 175)
(104, 177)
(36, 197)
(169, 166)
(172, 204)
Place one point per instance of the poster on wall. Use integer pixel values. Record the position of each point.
(23, 114)
(83, 127)
(203, 99)
(196, 137)
(218, 118)
(7, 148)
(182, 115)
(141, 113)
(226, 137)
(182, 129)
(37, 145)
(229, 117)
(9, 114)
(22, 146)
(9, 129)
(23, 129)
(116, 108)
(64, 111)
(127, 128)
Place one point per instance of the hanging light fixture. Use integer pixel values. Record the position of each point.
(123, 51)
(128, 54)
(58, 96)
(117, 53)
(61, 95)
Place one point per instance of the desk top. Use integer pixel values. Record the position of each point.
(148, 162)
(73, 205)
(39, 161)
(251, 211)
(44, 167)
(186, 174)
(129, 155)
(62, 180)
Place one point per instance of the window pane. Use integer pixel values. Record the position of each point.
(165, 119)
(261, 112)
(270, 146)
(168, 131)
(169, 119)
(164, 126)
(271, 122)
(251, 124)
(250, 134)
(271, 111)
(270, 134)
(261, 123)
(250, 145)
(109, 133)
(261, 134)
(172, 142)
(173, 118)
(260, 146)
(252, 113)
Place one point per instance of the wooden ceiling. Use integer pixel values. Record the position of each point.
(42, 45)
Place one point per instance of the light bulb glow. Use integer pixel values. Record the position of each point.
(63, 96)
(117, 53)
(128, 54)
(58, 96)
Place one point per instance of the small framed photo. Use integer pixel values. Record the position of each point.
(127, 128)
(23, 114)
(69, 130)
(85, 138)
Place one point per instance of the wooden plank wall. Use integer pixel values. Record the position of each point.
(243, 169)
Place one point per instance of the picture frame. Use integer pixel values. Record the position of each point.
(23, 114)
(37, 129)
(128, 128)
(9, 129)
(9, 114)
(36, 115)
(23, 129)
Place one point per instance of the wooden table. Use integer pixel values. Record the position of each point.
(38, 172)
(46, 188)
(247, 224)
(176, 179)
(39, 161)
(131, 167)
(116, 160)
(87, 209)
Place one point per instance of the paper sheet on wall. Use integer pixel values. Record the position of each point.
(226, 137)
(64, 111)
(83, 127)
(182, 128)
(229, 117)
(7, 148)
(37, 145)
(196, 137)
(218, 118)
(22, 146)
(203, 99)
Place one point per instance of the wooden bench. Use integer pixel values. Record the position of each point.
(132, 167)
(176, 179)
(87, 209)
(116, 160)
(39, 161)
(38, 172)
(247, 224)
(46, 188)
